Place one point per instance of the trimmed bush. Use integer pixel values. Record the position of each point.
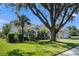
(32, 37)
(20, 37)
(4, 37)
(43, 34)
(16, 37)
(11, 38)
(26, 39)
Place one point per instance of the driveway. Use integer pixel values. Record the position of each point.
(71, 52)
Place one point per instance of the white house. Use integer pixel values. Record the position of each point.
(13, 28)
(64, 33)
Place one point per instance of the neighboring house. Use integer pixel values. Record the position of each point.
(34, 29)
(64, 33)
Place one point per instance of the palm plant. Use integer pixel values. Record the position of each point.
(23, 19)
(21, 22)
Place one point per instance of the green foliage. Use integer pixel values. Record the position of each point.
(43, 33)
(73, 31)
(16, 36)
(15, 52)
(21, 22)
(0, 34)
(4, 37)
(32, 35)
(11, 38)
(20, 37)
(75, 37)
(43, 30)
(6, 29)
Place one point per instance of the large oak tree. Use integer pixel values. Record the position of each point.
(59, 14)
(53, 15)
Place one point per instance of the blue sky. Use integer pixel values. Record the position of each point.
(7, 15)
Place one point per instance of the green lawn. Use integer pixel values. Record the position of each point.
(42, 48)
(75, 37)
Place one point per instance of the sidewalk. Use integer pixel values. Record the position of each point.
(71, 52)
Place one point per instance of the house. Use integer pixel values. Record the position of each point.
(13, 29)
(34, 29)
(64, 33)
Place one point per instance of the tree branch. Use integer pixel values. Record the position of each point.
(51, 13)
(63, 18)
(68, 18)
(39, 14)
(59, 13)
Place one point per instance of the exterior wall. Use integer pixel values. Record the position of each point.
(13, 28)
(64, 33)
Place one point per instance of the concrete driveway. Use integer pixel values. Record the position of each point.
(71, 52)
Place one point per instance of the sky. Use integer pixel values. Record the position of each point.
(7, 15)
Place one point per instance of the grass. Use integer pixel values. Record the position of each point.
(42, 48)
(75, 37)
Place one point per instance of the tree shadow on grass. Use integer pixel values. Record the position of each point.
(58, 43)
(18, 52)
(67, 44)
(44, 42)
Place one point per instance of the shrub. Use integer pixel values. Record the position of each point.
(43, 34)
(16, 52)
(16, 36)
(4, 37)
(0, 34)
(32, 37)
(26, 38)
(11, 38)
(20, 37)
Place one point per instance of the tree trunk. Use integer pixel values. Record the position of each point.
(22, 34)
(53, 35)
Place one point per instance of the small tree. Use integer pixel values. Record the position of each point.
(21, 22)
(73, 30)
(6, 29)
(43, 33)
